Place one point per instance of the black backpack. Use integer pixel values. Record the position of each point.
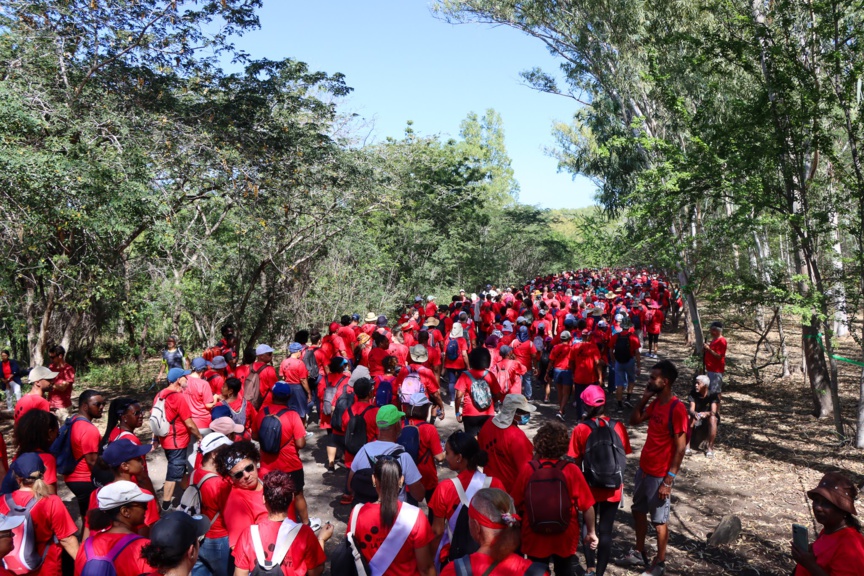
(462, 544)
(343, 404)
(621, 352)
(311, 364)
(270, 434)
(604, 461)
(361, 483)
(355, 432)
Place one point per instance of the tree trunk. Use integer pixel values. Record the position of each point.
(841, 320)
(33, 352)
(694, 326)
(41, 343)
(69, 331)
(783, 353)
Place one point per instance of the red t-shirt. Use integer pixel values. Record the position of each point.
(463, 383)
(198, 394)
(214, 496)
(177, 412)
(513, 565)
(634, 343)
(235, 405)
(559, 357)
(50, 519)
(434, 357)
(712, 363)
(30, 402)
(458, 363)
(151, 516)
(305, 553)
(838, 554)
(266, 380)
(508, 450)
(579, 439)
(348, 336)
(654, 320)
(333, 379)
(242, 509)
(445, 500)
(430, 446)
(287, 459)
(62, 398)
(85, 439)
(376, 361)
(293, 370)
(514, 370)
(524, 352)
(584, 357)
(241, 372)
(371, 533)
(400, 351)
(659, 446)
(427, 378)
(128, 563)
(564, 544)
(358, 408)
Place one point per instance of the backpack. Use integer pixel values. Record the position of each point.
(502, 375)
(547, 498)
(384, 391)
(238, 417)
(24, 558)
(270, 433)
(355, 431)
(636, 318)
(346, 559)
(252, 387)
(329, 394)
(284, 540)
(649, 317)
(604, 460)
(481, 396)
(621, 352)
(61, 448)
(411, 385)
(409, 439)
(452, 350)
(459, 535)
(211, 353)
(463, 568)
(343, 403)
(190, 501)
(361, 483)
(311, 364)
(96, 565)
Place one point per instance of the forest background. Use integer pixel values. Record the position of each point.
(144, 191)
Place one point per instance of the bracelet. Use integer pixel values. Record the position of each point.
(670, 474)
(667, 485)
(458, 414)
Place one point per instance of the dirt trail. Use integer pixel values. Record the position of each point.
(769, 452)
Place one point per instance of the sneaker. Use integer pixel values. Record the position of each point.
(309, 434)
(560, 416)
(628, 404)
(709, 454)
(590, 572)
(657, 569)
(633, 558)
(688, 451)
(315, 524)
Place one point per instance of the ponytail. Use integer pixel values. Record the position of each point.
(388, 472)
(115, 410)
(36, 483)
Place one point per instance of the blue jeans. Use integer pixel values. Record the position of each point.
(217, 554)
(577, 396)
(527, 379)
(625, 374)
(452, 376)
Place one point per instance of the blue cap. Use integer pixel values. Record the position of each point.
(219, 411)
(175, 374)
(199, 364)
(355, 317)
(295, 347)
(123, 450)
(27, 464)
(281, 389)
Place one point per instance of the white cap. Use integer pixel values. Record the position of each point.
(11, 522)
(41, 373)
(119, 494)
(430, 298)
(263, 349)
(212, 441)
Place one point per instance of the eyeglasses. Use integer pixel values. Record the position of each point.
(241, 473)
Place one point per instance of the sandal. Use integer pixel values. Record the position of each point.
(346, 499)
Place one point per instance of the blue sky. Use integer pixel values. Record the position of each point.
(404, 64)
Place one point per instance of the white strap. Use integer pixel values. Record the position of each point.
(478, 481)
(288, 531)
(355, 551)
(395, 539)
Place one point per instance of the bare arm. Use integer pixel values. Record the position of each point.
(300, 442)
(417, 491)
(193, 429)
(640, 415)
(91, 459)
(70, 545)
(241, 572)
(425, 566)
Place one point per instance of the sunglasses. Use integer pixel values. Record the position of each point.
(137, 412)
(241, 473)
(99, 404)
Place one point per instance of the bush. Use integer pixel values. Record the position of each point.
(127, 376)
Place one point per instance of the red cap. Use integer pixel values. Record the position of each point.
(334, 326)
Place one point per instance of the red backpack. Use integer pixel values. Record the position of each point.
(547, 498)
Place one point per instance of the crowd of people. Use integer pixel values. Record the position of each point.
(232, 425)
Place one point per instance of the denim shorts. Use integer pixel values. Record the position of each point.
(645, 498)
(176, 464)
(562, 377)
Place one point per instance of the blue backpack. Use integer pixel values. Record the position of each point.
(61, 448)
(409, 439)
(270, 434)
(96, 565)
(452, 351)
(384, 392)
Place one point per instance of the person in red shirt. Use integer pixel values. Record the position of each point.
(606, 499)
(85, 440)
(337, 378)
(293, 371)
(181, 428)
(266, 373)
(559, 371)
(116, 520)
(216, 374)
(372, 523)
(839, 547)
(238, 463)
(467, 412)
(51, 521)
(199, 394)
(509, 372)
(174, 543)
(433, 353)
(240, 410)
(305, 556)
(362, 348)
(378, 354)
(506, 444)
(293, 440)
(659, 463)
(215, 491)
(242, 371)
(417, 412)
(346, 332)
(653, 324)
(419, 356)
(431, 306)
(332, 344)
(41, 380)
(495, 526)
(715, 359)
(10, 379)
(35, 432)
(455, 357)
(527, 354)
(60, 395)
(398, 348)
(626, 359)
(550, 446)
(364, 405)
(587, 366)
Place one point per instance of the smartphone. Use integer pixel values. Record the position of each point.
(800, 538)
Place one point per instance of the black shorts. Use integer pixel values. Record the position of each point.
(653, 338)
(299, 479)
(176, 464)
(335, 440)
